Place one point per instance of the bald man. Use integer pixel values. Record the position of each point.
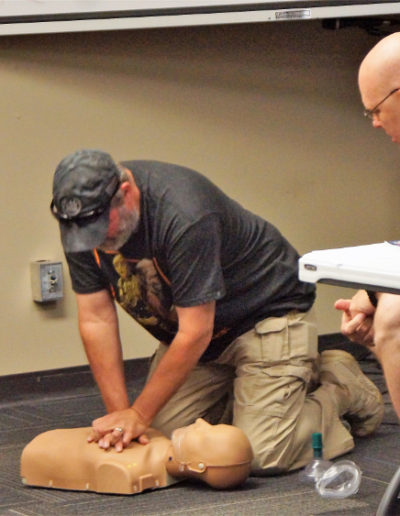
(373, 319)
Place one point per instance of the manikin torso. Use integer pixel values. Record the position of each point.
(64, 459)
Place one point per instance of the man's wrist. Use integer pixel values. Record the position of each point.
(372, 298)
(140, 416)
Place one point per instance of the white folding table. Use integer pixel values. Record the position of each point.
(374, 267)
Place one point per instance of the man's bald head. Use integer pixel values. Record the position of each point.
(379, 83)
(379, 72)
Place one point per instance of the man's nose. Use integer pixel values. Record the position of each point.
(376, 123)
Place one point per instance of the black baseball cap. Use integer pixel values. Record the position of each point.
(83, 186)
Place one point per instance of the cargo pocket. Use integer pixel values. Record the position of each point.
(288, 338)
(274, 339)
(303, 336)
(292, 380)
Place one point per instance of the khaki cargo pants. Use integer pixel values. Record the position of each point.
(271, 375)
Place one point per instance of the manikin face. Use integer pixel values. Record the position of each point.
(190, 442)
(219, 455)
(213, 445)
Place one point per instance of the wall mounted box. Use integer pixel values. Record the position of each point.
(46, 280)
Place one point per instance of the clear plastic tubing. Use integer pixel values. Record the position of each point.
(341, 480)
(331, 479)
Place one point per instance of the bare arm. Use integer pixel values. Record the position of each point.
(387, 343)
(195, 331)
(98, 326)
(194, 334)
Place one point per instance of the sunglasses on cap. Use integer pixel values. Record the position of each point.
(73, 206)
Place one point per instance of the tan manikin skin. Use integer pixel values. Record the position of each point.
(219, 455)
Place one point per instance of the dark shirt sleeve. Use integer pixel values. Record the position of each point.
(194, 262)
(86, 276)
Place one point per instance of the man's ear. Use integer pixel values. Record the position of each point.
(131, 194)
(127, 191)
(125, 187)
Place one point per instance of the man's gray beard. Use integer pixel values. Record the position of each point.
(129, 222)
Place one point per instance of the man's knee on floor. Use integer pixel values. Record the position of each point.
(273, 460)
(266, 469)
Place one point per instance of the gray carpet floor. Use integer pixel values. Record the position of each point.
(64, 400)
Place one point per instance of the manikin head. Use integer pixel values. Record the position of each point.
(379, 83)
(219, 455)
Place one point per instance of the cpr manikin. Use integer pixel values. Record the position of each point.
(219, 455)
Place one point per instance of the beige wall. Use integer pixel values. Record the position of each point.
(270, 112)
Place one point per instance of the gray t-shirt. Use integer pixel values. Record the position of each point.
(194, 245)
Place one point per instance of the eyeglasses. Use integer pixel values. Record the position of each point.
(83, 216)
(369, 113)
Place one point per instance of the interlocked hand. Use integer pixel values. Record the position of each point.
(118, 429)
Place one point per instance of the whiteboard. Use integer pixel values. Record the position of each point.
(37, 7)
(36, 16)
(42, 7)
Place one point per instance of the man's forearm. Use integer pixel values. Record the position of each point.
(105, 359)
(387, 343)
(391, 366)
(170, 374)
(192, 339)
(98, 325)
